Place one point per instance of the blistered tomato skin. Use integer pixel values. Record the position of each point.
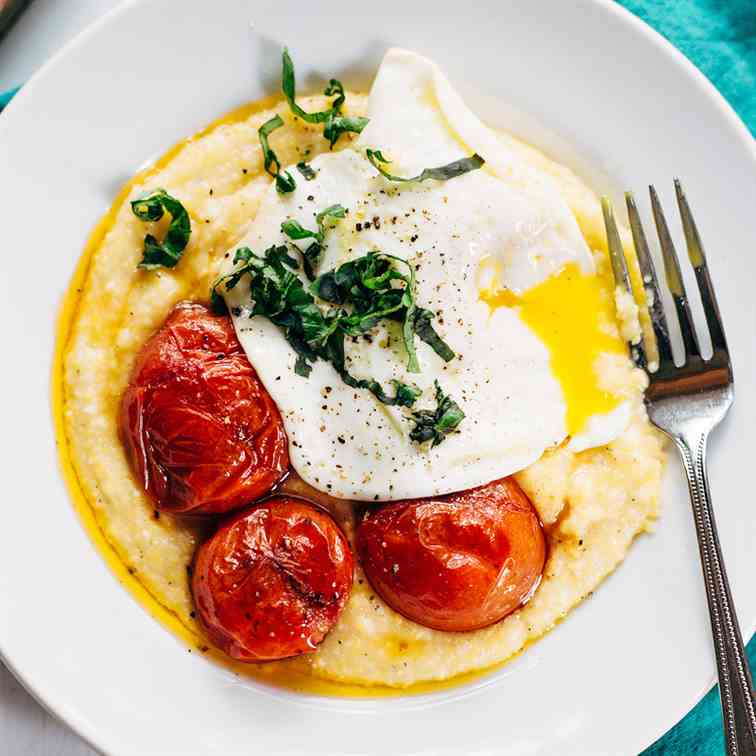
(273, 580)
(457, 562)
(203, 434)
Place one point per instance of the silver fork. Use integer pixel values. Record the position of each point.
(687, 402)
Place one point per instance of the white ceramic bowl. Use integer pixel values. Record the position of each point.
(629, 110)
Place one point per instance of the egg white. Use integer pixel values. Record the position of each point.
(343, 441)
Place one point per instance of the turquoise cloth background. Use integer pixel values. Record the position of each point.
(5, 97)
(719, 36)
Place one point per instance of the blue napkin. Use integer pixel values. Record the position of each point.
(5, 97)
(719, 36)
(700, 733)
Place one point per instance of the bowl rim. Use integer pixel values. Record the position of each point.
(70, 715)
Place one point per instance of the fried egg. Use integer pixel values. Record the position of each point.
(499, 259)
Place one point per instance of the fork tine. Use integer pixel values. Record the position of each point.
(674, 278)
(616, 253)
(621, 274)
(698, 261)
(650, 283)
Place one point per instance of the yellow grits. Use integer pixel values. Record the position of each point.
(592, 503)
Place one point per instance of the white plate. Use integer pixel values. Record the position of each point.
(628, 663)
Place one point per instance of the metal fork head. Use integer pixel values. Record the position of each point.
(699, 391)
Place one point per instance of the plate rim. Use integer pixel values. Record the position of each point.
(70, 715)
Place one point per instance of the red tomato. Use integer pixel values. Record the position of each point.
(273, 580)
(456, 562)
(203, 434)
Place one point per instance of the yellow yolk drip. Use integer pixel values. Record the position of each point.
(573, 314)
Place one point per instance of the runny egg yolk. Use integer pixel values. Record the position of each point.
(574, 316)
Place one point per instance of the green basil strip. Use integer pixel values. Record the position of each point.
(289, 87)
(361, 292)
(306, 170)
(151, 207)
(277, 293)
(435, 425)
(336, 212)
(295, 231)
(284, 181)
(427, 333)
(442, 173)
(336, 124)
(366, 285)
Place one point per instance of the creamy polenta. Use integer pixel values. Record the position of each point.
(592, 503)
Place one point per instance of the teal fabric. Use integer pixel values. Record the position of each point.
(719, 36)
(5, 97)
(700, 732)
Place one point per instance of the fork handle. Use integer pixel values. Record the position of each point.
(735, 682)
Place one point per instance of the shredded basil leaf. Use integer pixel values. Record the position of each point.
(361, 292)
(306, 170)
(336, 124)
(332, 211)
(278, 293)
(425, 330)
(442, 173)
(339, 124)
(284, 181)
(367, 286)
(217, 303)
(289, 87)
(335, 87)
(151, 207)
(294, 230)
(435, 425)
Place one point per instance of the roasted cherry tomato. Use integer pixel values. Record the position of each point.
(203, 434)
(456, 562)
(273, 580)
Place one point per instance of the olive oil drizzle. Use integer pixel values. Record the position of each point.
(273, 673)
